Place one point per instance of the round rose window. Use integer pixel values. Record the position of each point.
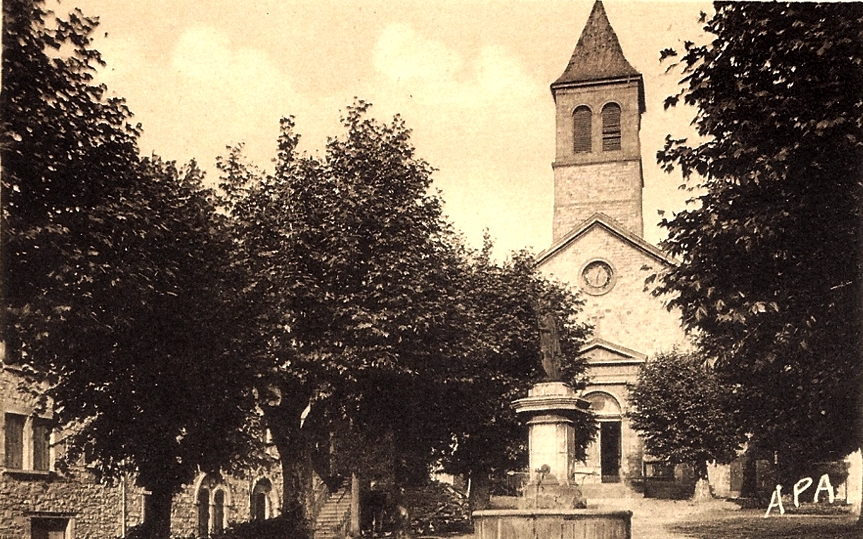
(597, 277)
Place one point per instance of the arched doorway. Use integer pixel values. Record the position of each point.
(608, 412)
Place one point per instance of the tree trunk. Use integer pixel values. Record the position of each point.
(283, 418)
(702, 484)
(157, 515)
(293, 495)
(480, 492)
(749, 487)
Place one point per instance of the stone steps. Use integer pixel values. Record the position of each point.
(606, 491)
(332, 518)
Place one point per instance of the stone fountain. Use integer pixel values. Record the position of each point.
(551, 505)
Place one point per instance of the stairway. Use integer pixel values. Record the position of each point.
(333, 518)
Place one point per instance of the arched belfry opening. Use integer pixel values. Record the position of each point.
(582, 133)
(610, 127)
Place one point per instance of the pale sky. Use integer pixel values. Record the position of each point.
(471, 79)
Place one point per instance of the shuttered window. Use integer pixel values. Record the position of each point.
(581, 130)
(14, 446)
(611, 127)
(41, 444)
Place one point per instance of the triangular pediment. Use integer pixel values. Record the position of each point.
(614, 228)
(600, 351)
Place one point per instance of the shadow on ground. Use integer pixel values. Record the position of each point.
(753, 525)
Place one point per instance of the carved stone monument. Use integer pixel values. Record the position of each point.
(549, 341)
(551, 504)
(551, 408)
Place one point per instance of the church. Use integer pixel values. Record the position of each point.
(598, 245)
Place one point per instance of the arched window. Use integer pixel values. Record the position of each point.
(203, 512)
(611, 127)
(212, 500)
(218, 511)
(581, 129)
(260, 499)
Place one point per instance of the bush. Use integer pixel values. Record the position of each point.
(273, 528)
(438, 508)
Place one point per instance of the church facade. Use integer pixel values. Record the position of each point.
(597, 240)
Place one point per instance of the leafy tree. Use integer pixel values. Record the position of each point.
(376, 317)
(116, 292)
(684, 413)
(770, 272)
(348, 255)
(458, 411)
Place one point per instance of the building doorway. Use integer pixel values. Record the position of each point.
(609, 451)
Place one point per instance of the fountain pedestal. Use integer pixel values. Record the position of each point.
(551, 505)
(551, 408)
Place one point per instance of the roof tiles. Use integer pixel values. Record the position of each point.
(597, 55)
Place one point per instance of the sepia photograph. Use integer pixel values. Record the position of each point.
(491, 269)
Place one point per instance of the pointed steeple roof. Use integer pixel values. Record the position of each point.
(597, 55)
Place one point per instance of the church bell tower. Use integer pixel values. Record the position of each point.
(599, 100)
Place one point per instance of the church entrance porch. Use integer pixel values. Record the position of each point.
(614, 458)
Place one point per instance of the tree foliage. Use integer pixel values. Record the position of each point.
(376, 316)
(346, 253)
(116, 291)
(684, 413)
(770, 273)
(501, 360)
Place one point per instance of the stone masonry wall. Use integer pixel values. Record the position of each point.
(612, 188)
(627, 315)
(93, 509)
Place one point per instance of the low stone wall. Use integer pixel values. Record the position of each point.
(552, 524)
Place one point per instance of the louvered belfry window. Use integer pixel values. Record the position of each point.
(581, 129)
(611, 127)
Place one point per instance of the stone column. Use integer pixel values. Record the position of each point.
(550, 408)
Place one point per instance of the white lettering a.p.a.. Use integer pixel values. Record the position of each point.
(775, 501)
(824, 484)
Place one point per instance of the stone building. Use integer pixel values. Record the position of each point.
(39, 501)
(597, 239)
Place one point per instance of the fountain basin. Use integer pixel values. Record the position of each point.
(552, 524)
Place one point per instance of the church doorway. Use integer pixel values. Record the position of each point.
(609, 451)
